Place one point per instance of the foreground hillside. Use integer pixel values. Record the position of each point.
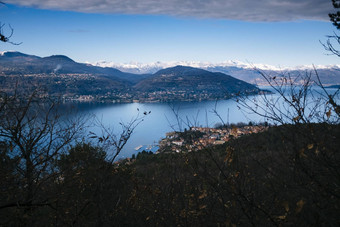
(268, 179)
(273, 178)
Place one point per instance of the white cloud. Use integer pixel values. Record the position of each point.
(246, 10)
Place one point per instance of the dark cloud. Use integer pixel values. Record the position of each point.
(246, 10)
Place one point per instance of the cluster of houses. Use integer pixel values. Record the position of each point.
(176, 142)
(175, 95)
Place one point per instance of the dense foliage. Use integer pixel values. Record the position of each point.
(268, 179)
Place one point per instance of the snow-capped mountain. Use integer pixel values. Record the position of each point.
(248, 72)
(137, 67)
(329, 74)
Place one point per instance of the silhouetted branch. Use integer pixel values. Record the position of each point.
(329, 46)
(335, 17)
(4, 38)
(113, 142)
(330, 97)
(295, 100)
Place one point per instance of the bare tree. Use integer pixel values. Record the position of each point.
(334, 39)
(6, 38)
(181, 123)
(111, 140)
(335, 17)
(34, 134)
(87, 174)
(296, 99)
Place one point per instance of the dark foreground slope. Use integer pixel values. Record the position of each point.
(286, 176)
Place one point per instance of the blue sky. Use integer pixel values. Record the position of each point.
(90, 33)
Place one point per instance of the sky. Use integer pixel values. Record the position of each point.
(275, 32)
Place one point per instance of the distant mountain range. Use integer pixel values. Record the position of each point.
(329, 74)
(19, 63)
(60, 75)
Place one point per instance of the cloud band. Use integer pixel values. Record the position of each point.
(244, 10)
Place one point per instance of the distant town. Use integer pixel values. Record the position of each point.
(146, 97)
(198, 138)
(74, 87)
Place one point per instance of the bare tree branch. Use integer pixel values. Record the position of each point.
(4, 38)
(113, 142)
(295, 100)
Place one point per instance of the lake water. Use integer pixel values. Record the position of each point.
(162, 118)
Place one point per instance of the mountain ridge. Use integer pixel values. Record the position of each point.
(58, 64)
(198, 64)
(186, 78)
(61, 75)
(329, 74)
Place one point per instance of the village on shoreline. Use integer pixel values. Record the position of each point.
(199, 138)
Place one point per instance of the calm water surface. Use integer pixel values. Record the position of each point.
(162, 118)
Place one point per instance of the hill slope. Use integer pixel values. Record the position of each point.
(12, 63)
(183, 78)
(61, 76)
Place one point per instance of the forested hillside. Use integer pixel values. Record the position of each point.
(268, 179)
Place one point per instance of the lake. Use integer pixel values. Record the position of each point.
(162, 118)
